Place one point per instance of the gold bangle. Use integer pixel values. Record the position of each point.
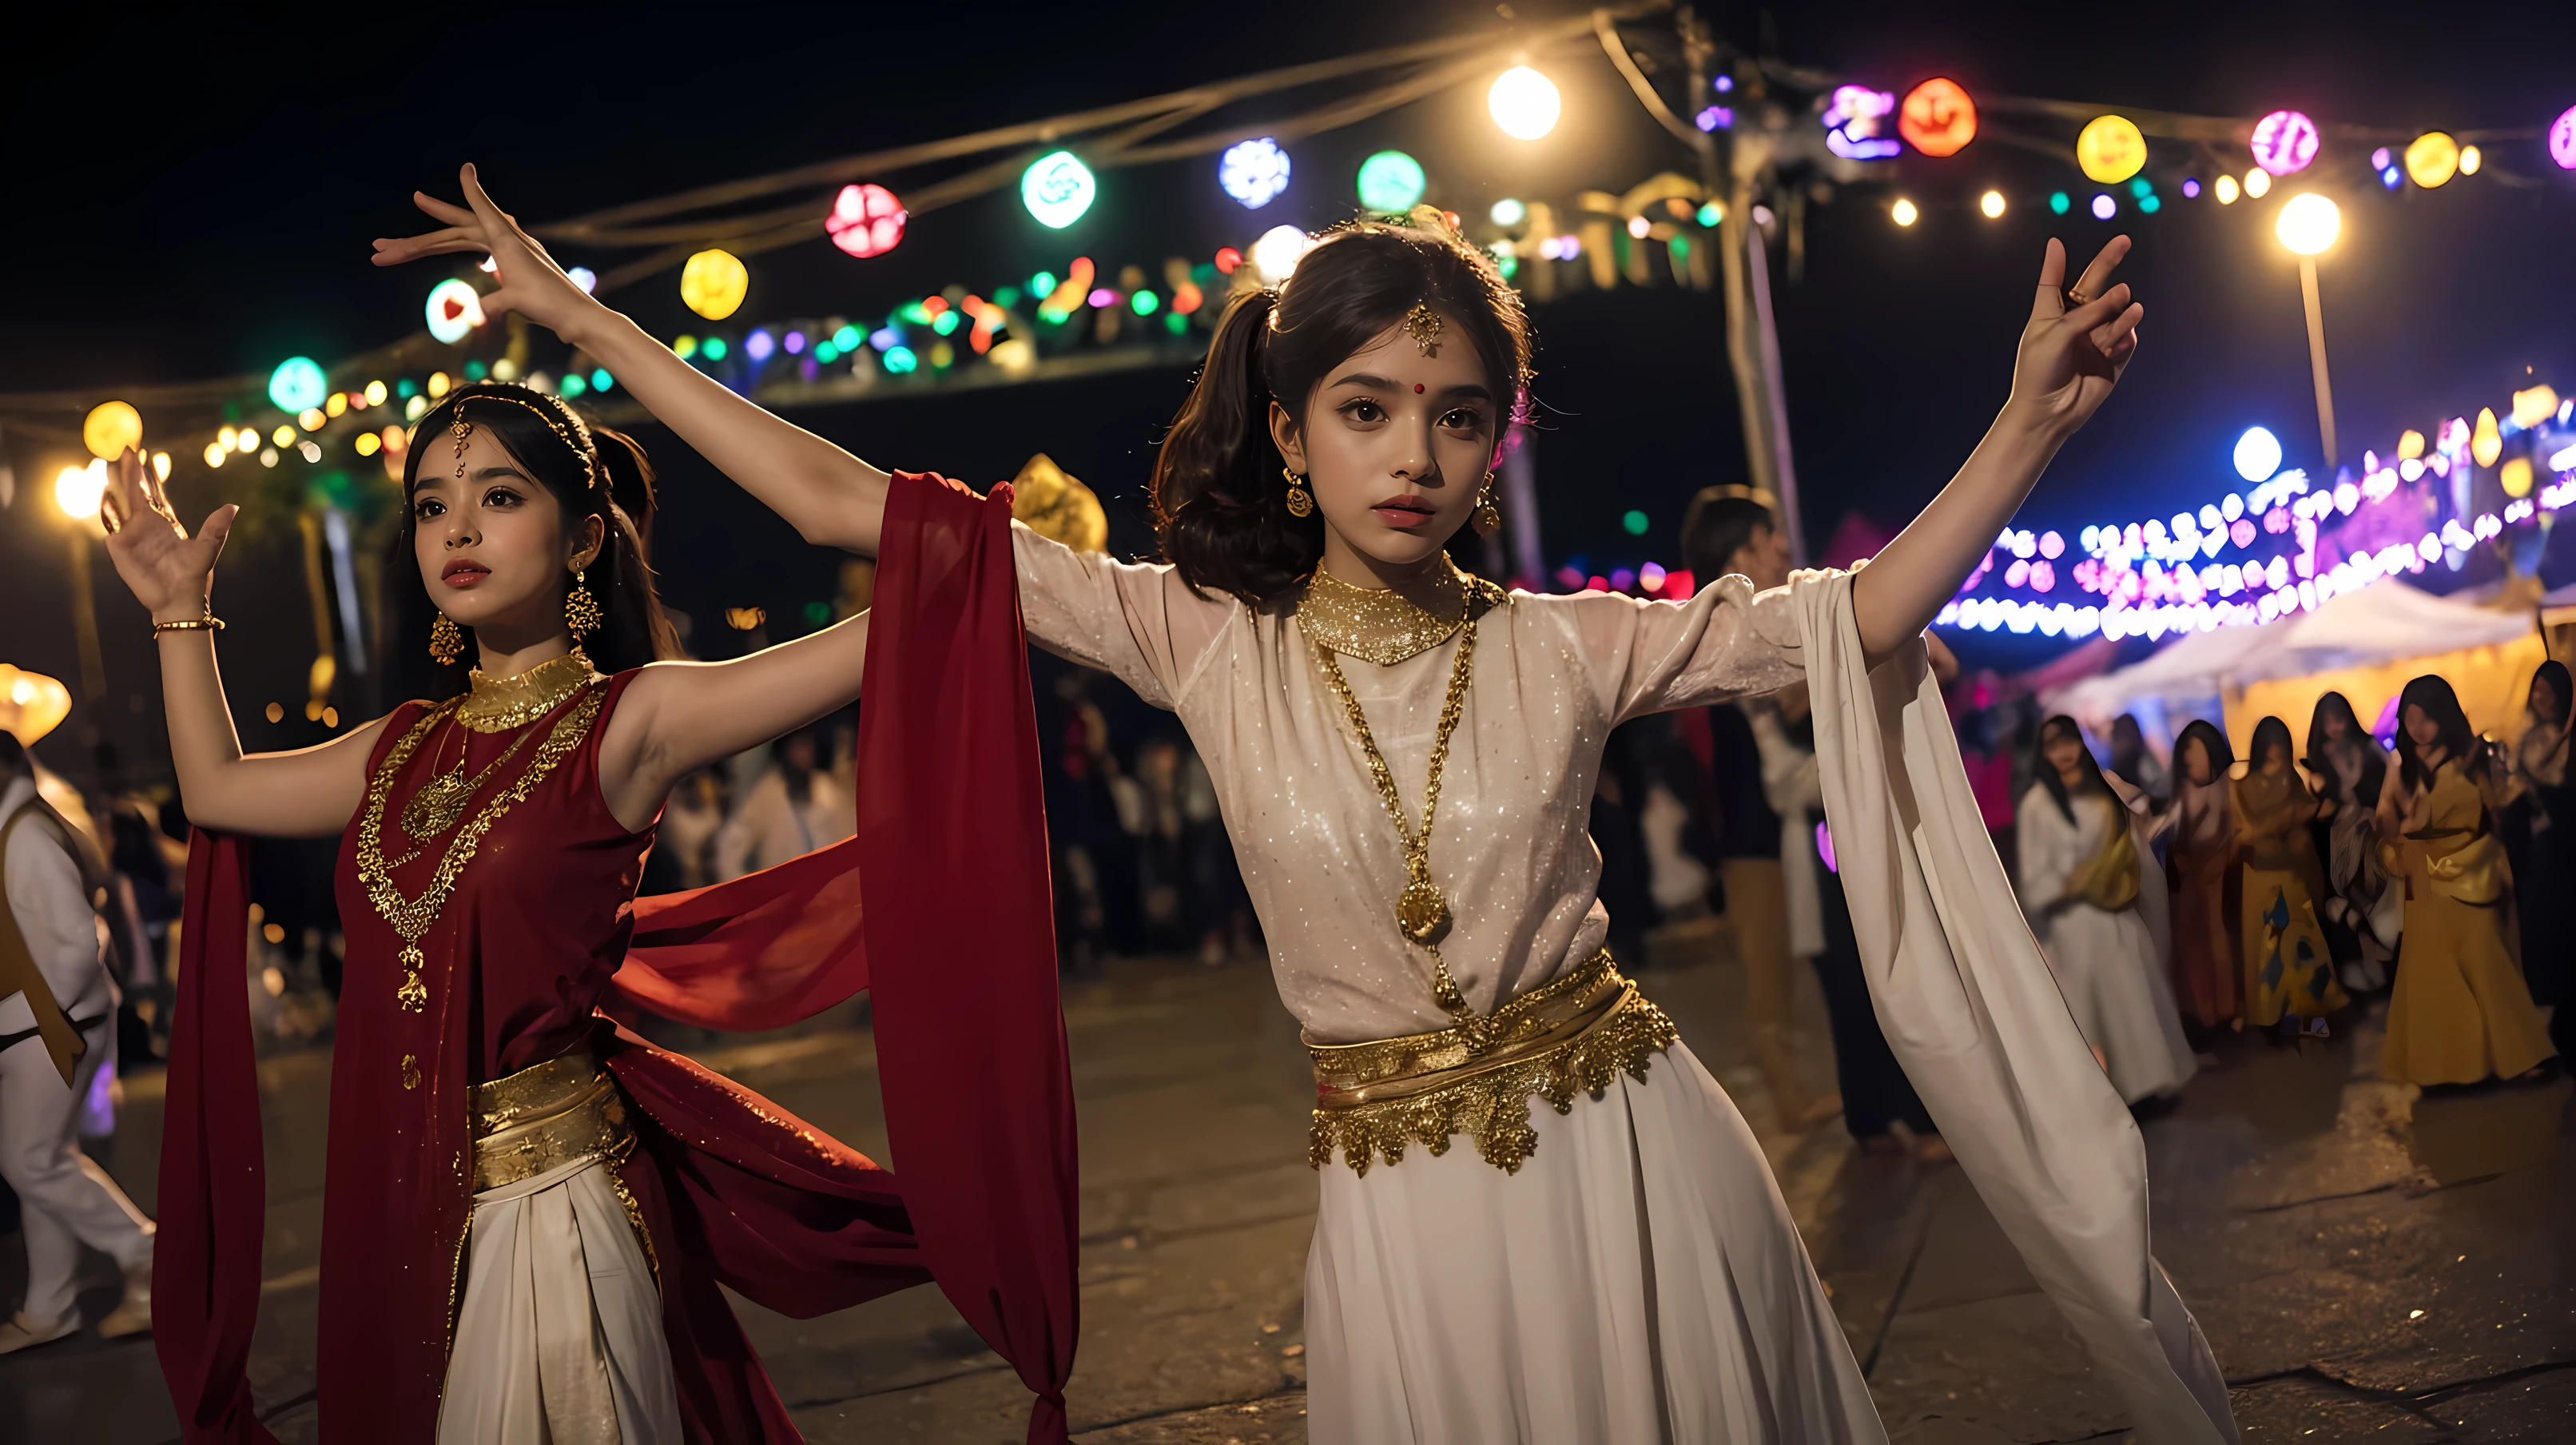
(208, 623)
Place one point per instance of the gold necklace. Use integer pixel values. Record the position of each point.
(411, 918)
(1381, 624)
(1420, 911)
(498, 704)
(441, 801)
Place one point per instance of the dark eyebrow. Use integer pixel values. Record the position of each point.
(1470, 391)
(487, 474)
(1364, 379)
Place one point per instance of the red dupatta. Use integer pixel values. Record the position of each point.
(952, 851)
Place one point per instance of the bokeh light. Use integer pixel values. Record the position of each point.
(2309, 224)
(1254, 172)
(2110, 149)
(1391, 182)
(110, 428)
(454, 310)
(866, 220)
(1058, 188)
(2432, 159)
(2258, 454)
(713, 283)
(1524, 103)
(2285, 142)
(1992, 203)
(297, 383)
(1937, 118)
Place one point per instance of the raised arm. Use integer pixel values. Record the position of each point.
(308, 793)
(832, 498)
(2070, 358)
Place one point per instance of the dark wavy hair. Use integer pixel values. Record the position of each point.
(2374, 763)
(1220, 506)
(2553, 677)
(2270, 733)
(2047, 771)
(2222, 755)
(591, 472)
(2433, 694)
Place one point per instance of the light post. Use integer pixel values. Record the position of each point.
(77, 492)
(2308, 226)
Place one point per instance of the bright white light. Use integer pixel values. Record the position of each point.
(1904, 213)
(2563, 461)
(454, 309)
(1276, 254)
(2309, 224)
(78, 490)
(583, 277)
(1057, 188)
(1992, 203)
(1254, 172)
(1509, 212)
(1524, 103)
(2258, 454)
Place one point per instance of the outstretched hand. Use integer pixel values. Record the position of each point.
(169, 572)
(531, 283)
(2072, 354)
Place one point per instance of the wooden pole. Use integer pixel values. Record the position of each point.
(2317, 360)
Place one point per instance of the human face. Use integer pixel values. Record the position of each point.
(1763, 559)
(2276, 760)
(2065, 753)
(2195, 761)
(2422, 727)
(2546, 705)
(1394, 445)
(2337, 727)
(492, 545)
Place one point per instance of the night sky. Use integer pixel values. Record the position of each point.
(192, 195)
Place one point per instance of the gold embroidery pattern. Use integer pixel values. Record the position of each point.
(411, 1071)
(1385, 626)
(1576, 1034)
(498, 704)
(634, 1212)
(412, 917)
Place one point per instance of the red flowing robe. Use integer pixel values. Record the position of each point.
(943, 890)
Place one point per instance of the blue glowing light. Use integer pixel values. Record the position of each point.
(1254, 172)
(759, 346)
(298, 384)
(1716, 118)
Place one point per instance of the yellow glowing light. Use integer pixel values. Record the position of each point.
(376, 393)
(161, 466)
(2470, 159)
(2410, 446)
(110, 428)
(438, 385)
(311, 420)
(1904, 213)
(2110, 149)
(1992, 203)
(285, 437)
(395, 440)
(1524, 103)
(2531, 408)
(247, 441)
(31, 704)
(2486, 443)
(2432, 159)
(414, 407)
(2258, 183)
(713, 284)
(367, 443)
(2228, 190)
(2309, 224)
(2515, 476)
(224, 439)
(78, 489)
(215, 454)
(337, 405)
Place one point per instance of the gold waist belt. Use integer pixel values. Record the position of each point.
(1574, 1034)
(546, 1115)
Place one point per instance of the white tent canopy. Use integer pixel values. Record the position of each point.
(2386, 621)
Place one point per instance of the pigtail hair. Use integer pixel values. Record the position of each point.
(1220, 505)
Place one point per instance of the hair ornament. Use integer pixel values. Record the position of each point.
(1424, 325)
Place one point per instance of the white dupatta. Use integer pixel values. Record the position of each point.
(1973, 1013)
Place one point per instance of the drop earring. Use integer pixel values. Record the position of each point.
(581, 610)
(1488, 518)
(1301, 503)
(446, 643)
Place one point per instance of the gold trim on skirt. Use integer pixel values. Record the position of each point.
(1577, 1033)
(544, 1116)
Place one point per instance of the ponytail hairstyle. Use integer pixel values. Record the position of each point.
(591, 472)
(1220, 504)
(2433, 694)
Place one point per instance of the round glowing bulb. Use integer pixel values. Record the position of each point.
(1254, 172)
(2104, 208)
(2432, 159)
(1509, 212)
(866, 220)
(1904, 213)
(1058, 188)
(1276, 254)
(2562, 139)
(1524, 103)
(2110, 149)
(1937, 118)
(78, 490)
(2258, 183)
(1992, 203)
(2227, 190)
(1390, 182)
(2487, 442)
(215, 454)
(296, 384)
(454, 309)
(2309, 224)
(2258, 454)
(2470, 159)
(110, 428)
(2285, 142)
(712, 284)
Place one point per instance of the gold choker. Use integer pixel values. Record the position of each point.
(498, 704)
(1386, 625)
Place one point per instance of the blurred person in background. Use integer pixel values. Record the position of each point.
(2133, 763)
(684, 852)
(2208, 978)
(58, 1008)
(2360, 910)
(2540, 826)
(795, 807)
(2289, 972)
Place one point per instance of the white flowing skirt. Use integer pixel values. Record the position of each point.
(559, 1341)
(1638, 1280)
(2115, 983)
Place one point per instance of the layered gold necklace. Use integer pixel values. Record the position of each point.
(1387, 626)
(491, 705)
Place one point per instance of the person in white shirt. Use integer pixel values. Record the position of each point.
(795, 808)
(51, 1050)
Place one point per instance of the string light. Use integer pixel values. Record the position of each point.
(1524, 103)
(2258, 183)
(1992, 203)
(2110, 149)
(2432, 159)
(454, 310)
(2227, 190)
(1904, 213)
(1253, 172)
(713, 284)
(866, 220)
(1509, 212)
(110, 428)
(2562, 139)
(1391, 182)
(1058, 188)
(297, 383)
(1855, 121)
(2258, 454)
(1937, 118)
(2284, 142)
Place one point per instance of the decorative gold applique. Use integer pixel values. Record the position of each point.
(498, 704)
(1424, 325)
(411, 1071)
(413, 995)
(1576, 1034)
(1384, 625)
(634, 1212)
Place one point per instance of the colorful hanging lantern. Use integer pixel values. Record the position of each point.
(2432, 159)
(2562, 139)
(297, 384)
(2110, 149)
(713, 284)
(1254, 172)
(1391, 182)
(1938, 119)
(1856, 124)
(2285, 142)
(1058, 188)
(866, 220)
(454, 309)
(110, 428)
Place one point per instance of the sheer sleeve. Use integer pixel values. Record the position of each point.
(1646, 657)
(1138, 621)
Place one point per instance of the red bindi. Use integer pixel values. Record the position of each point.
(1417, 388)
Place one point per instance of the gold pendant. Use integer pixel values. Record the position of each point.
(1422, 913)
(436, 807)
(413, 995)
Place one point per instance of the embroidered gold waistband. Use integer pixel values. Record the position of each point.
(546, 1115)
(1574, 1034)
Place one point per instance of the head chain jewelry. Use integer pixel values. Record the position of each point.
(462, 428)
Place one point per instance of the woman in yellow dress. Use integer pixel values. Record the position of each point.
(2460, 1012)
(2289, 974)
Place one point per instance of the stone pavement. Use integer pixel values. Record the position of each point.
(2367, 1263)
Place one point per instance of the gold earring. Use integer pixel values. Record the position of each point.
(581, 610)
(446, 643)
(1301, 503)
(1488, 518)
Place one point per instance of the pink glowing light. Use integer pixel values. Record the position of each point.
(2285, 142)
